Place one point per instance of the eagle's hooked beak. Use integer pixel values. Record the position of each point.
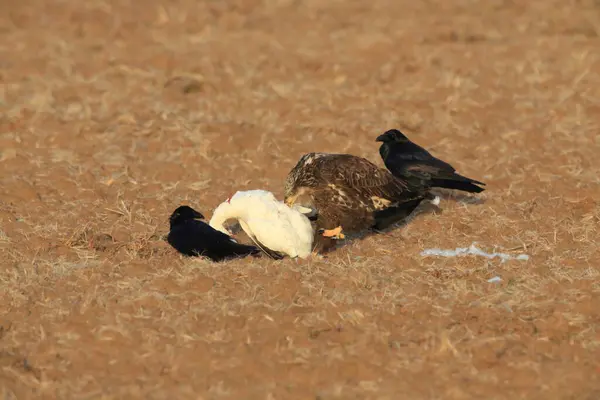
(310, 212)
(302, 209)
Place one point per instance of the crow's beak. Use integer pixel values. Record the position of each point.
(380, 138)
(198, 216)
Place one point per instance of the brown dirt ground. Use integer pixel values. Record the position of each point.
(112, 113)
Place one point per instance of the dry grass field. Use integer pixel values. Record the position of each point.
(113, 113)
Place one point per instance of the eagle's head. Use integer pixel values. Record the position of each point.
(289, 185)
(300, 169)
(392, 136)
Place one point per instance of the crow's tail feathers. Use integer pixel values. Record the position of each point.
(465, 184)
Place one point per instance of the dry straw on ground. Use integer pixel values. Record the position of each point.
(112, 114)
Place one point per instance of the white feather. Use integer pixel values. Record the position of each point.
(274, 224)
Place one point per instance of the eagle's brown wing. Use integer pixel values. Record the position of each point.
(337, 206)
(360, 174)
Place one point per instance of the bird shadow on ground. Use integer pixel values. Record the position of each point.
(459, 197)
(424, 208)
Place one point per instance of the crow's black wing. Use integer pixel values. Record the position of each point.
(195, 237)
(411, 153)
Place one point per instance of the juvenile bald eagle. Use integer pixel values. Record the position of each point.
(409, 161)
(349, 192)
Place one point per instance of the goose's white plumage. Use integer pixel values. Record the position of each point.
(268, 221)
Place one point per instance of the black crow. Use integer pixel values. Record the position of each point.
(192, 237)
(409, 161)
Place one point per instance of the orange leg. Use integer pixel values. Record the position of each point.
(335, 233)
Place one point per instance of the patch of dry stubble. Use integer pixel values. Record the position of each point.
(111, 115)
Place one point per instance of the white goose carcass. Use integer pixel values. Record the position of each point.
(273, 226)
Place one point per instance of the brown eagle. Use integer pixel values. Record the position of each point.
(349, 193)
